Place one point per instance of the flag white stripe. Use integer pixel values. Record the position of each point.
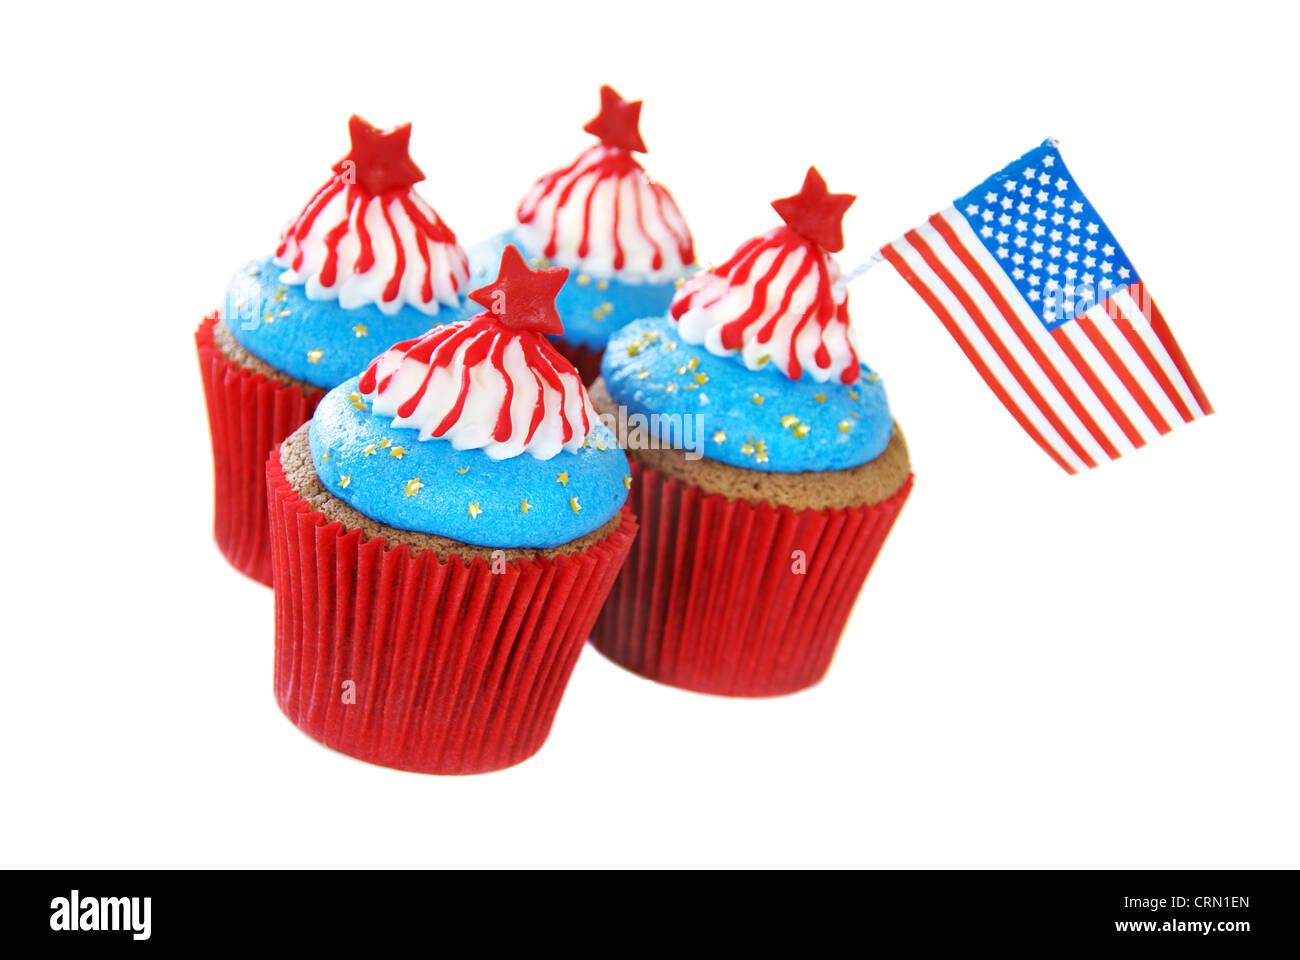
(1044, 340)
(1139, 371)
(1013, 344)
(940, 291)
(1143, 327)
(1103, 372)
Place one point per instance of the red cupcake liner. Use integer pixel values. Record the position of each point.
(452, 668)
(581, 356)
(249, 416)
(709, 599)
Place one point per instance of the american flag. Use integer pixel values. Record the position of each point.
(1039, 295)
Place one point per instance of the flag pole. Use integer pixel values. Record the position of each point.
(847, 278)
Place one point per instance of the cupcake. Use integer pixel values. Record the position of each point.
(367, 262)
(766, 466)
(620, 234)
(444, 531)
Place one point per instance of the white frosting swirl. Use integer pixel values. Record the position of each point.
(775, 301)
(390, 249)
(482, 385)
(604, 216)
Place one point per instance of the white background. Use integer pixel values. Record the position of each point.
(1043, 671)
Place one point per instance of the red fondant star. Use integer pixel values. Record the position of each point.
(816, 214)
(379, 159)
(616, 124)
(521, 298)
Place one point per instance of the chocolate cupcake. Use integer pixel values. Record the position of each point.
(444, 531)
(767, 468)
(620, 234)
(366, 262)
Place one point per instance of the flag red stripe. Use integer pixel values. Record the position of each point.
(1013, 321)
(976, 360)
(998, 346)
(1097, 387)
(1125, 325)
(1166, 338)
(1125, 375)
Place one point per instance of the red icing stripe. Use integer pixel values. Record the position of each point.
(737, 270)
(302, 226)
(484, 339)
(428, 228)
(612, 167)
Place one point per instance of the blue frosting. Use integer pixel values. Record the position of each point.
(758, 419)
(584, 301)
(276, 322)
(568, 496)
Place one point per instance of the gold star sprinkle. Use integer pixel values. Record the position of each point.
(846, 426)
(397, 452)
(369, 449)
(627, 483)
(633, 350)
(462, 470)
(573, 502)
(820, 398)
(763, 361)
(670, 388)
(600, 445)
(789, 420)
(345, 479)
(873, 378)
(650, 337)
(474, 510)
(360, 330)
(354, 398)
(720, 437)
(642, 374)
(701, 378)
(695, 362)
(853, 394)
(412, 487)
(691, 386)
(562, 479)
(385, 443)
(747, 448)
(282, 293)
(583, 280)
(603, 285)
(313, 356)
(326, 457)
(670, 344)
(681, 370)
(269, 317)
(802, 430)
(756, 398)
(678, 282)
(284, 312)
(540, 262)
